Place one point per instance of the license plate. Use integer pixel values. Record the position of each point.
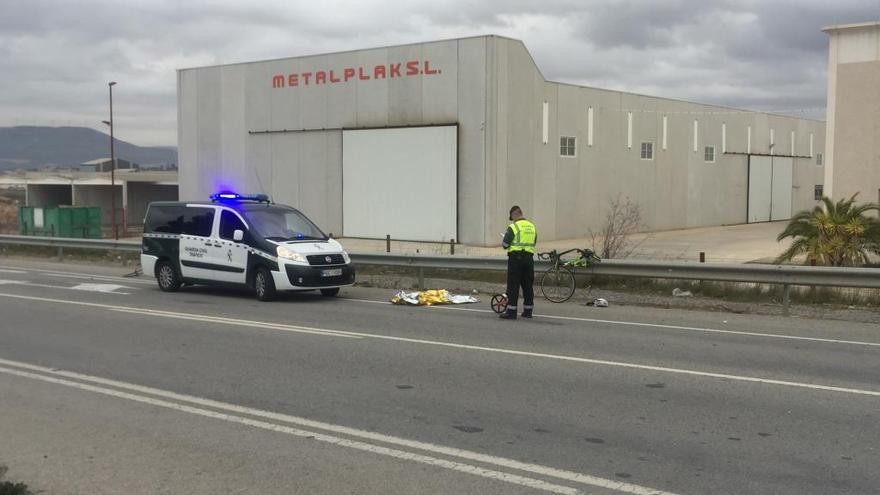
(336, 272)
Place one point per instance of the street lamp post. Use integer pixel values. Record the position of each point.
(112, 168)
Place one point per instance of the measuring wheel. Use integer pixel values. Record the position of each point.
(499, 303)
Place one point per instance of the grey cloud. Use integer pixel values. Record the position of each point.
(56, 56)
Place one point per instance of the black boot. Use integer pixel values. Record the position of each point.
(527, 313)
(508, 315)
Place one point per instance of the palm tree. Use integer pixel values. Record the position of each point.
(835, 234)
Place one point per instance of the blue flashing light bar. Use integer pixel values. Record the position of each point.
(231, 196)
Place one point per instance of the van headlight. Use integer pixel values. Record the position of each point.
(285, 253)
(346, 258)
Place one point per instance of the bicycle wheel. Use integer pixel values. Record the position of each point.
(499, 303)
(557, 284)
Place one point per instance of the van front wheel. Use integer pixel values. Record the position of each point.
(167, 277)
(264, 285)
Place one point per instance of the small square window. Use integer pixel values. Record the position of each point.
(819, 159)
(647, 151)
(567, 146)
(709, 154)
(818, 192)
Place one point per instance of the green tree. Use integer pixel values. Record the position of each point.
(833, 234)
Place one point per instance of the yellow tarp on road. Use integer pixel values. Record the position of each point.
(431, 298)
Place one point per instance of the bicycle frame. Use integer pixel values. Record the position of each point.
(585, 256)
(558, 282)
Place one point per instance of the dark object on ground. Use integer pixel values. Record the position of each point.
(9, 488)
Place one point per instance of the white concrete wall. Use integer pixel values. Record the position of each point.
(853, 134)
(100, 196)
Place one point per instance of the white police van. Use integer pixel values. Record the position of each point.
(241, 240)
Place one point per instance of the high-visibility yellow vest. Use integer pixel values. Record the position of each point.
(525, 235)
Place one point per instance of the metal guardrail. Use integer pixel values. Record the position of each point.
(71, 242)
(785, 275)
(763, 274)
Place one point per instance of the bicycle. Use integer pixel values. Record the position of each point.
(558, 282)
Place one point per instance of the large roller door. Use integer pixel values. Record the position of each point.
(400, 182)
(770, 186)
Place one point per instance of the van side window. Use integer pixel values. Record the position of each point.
(198, 221)
(165, 219)
(229, 223)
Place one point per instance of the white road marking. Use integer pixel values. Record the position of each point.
(46, 286)
(16, 272)
(106, 278)
(113, 278)
(513, 352)
(105, 288)
(343, 430)
(569, 318)
(660, 326)
(236, 322)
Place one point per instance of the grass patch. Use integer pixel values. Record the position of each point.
(10, 488)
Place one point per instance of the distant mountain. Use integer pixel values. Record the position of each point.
(32, 147)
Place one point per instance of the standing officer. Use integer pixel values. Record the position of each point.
(519, 241)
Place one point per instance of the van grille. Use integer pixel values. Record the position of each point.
(325, 259)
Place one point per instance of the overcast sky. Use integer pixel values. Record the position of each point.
(56, 57)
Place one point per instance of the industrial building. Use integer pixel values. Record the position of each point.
(435, 141)
(134, 190)
(853, 131)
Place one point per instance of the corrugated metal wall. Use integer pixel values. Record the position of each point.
(223, 110)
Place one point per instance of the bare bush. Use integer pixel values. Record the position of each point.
(8, 216)
(624, 217)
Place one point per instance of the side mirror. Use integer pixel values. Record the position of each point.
(238, 235)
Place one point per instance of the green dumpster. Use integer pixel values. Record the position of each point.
(63, 221)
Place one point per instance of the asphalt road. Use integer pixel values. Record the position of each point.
(108, 385)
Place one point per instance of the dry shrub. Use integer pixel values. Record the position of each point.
(623, 218)
(8, 215)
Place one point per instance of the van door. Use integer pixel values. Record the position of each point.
(229, 257)
(196, 241)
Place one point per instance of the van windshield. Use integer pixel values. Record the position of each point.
(281, 224)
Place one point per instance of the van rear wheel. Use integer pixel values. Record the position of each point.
(330, 292)
(167, 277)
(264, 285)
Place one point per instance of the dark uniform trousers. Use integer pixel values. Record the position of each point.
(520, 273)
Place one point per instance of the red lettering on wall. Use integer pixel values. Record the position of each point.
(362, 73)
